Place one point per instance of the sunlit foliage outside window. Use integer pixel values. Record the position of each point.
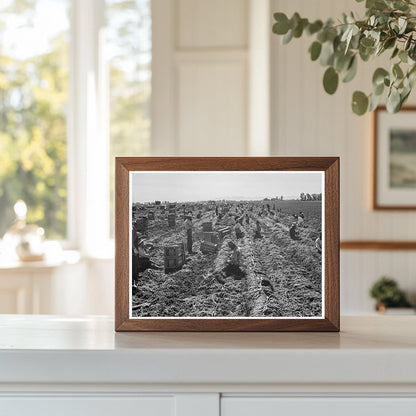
(129, 43)
(33, 103)
(34, 86)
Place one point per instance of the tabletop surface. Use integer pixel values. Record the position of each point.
(53, 349)
(47, 332)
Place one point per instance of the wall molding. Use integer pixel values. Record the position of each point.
(377, 245)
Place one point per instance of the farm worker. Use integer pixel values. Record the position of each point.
(247, 219)
(293, 232)
(135, 254)
(188, 227)
(143, 258)
(258, 230)
(238, 232)
(300, 220)
(234, 264)
(318, 243)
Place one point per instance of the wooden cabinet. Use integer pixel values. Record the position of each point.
(80, 366)
(88, 406)
(322, 406)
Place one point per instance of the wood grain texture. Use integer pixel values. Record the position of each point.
(330, 165)
(378, 245)
(376, 204)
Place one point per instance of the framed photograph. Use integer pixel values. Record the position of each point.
(227, 244)
(394, 159)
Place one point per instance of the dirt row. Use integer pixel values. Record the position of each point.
(283, 277)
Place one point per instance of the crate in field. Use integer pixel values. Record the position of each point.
(172, 207)
(171, 220)
(141, 224)
(223, 231)
(208, 248)
(157, 202)
(207, 226)
(174, 257)
(211, 237)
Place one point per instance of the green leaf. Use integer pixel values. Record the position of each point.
(366, 53)
(281, 27)
(376, 4)
(298, 30)
(393, 101)
(403, 96)
(400, 5)
(402, 24)
(374, 101)
(389, 43)
(378, 89)
(314, 27)
(397, 71)
(351, 71)
(359, 103)
(330, 80)
(411, 76)
(341, 61)
(403, 56)
(288, 37)
(367, 42)
(379, 75)
(327, 53)
(395, 52)
(294, 20)
(412, 52)
(408, 42)
(315, 50)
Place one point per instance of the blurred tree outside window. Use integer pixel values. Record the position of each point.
(33, 101)
(129, 52)
(34, 94)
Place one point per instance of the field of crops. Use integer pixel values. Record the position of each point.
(282, 278)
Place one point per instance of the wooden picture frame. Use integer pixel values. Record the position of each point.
(391, 177)
(131, 173)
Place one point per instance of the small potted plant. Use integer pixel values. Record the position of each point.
(387, 294)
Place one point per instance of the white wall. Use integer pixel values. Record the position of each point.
(202, 84)
(308, 122)
(211, 92)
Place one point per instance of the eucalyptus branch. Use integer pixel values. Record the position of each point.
(390, 25)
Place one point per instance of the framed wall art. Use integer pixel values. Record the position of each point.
(394, 159)
(227, 244)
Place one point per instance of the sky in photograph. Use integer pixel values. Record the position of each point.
(204, 186)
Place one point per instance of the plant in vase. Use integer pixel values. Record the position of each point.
(387, 294)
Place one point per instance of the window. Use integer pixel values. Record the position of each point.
(33, 102)
(129, 43)
(75, 87)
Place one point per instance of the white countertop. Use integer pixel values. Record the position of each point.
(46, 349)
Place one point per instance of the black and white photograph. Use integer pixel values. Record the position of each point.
(227, 244)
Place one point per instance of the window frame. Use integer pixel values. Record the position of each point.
(87, 133)
(88, 138)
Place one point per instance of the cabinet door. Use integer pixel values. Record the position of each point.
(87, 406)
(273, 406)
